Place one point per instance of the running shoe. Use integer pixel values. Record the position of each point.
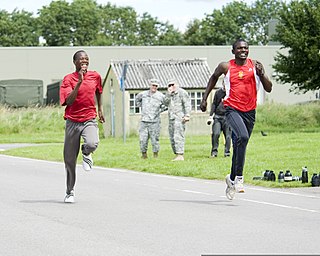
(230, 190)
(69, 198)
(238, 183)
(87, 162)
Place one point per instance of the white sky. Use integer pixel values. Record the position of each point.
(177, 12)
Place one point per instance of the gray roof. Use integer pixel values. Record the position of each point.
(189, 73)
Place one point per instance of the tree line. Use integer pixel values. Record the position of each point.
(87, 23)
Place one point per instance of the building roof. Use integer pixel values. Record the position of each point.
(189, 73)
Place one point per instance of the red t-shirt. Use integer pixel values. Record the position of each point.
(241, 83)
(84, 107)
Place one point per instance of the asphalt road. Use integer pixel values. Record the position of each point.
(121, 212)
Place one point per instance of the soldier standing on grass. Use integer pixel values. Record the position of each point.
(179, 108)
(242, 81)
(152, 104)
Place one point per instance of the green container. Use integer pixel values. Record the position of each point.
(21, 92)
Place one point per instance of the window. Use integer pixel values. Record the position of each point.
(132, 103)
(196, 98)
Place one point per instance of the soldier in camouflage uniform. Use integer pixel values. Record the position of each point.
(152, 104)
(179, 108)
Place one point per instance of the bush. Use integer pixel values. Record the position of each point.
(288, 118)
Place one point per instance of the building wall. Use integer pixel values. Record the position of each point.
(51, 64)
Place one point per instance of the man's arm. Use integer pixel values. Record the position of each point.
(139, 100)
(222, 68)
(267, 84)
(99, 103)
(74, 93)
(167, 98)
(163, 106)
(186, 102)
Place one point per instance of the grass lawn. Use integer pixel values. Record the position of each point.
(277, 151)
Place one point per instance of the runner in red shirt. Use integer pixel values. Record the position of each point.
(242, 80)
(77, 92)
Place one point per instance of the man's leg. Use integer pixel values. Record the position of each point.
(143, 136)
(241, 128)
(216, 130)
(71, 151)
(227, 135)
(171, 135)
(154, 136)
(241, 124)
(90, 135)
(179, 138)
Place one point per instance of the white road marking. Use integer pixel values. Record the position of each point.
(280, 205)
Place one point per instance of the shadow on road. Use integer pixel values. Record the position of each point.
(41, 202)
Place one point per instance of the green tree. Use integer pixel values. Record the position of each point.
(154, 32)
(233, 21)
(85, 22)
(221, 27)
(118, 26)
(262, 11)
(18, 28)
(168, 35)
(193, 36)
(123, 26)
(298, 31)
(64, 24)
(56, 23)
(148, 30)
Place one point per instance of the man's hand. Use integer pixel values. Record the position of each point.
(259, 69)
(101, 117)
(170, 89)
(203, 105)
(82, 71)
(210, 120)
(185, 119)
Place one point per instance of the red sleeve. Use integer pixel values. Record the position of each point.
(99, 84)
(65, 90)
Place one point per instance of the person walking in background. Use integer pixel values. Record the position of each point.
(218, 118)
(242, 79)
(179, 108)
(77, 92)
(152, 104)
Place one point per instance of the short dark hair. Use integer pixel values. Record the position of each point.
(76, 53)
(238, 41)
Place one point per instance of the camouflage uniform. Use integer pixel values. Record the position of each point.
(179, 106)
(152, 104)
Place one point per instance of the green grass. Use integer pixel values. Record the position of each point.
(277, 151)
(290, 149)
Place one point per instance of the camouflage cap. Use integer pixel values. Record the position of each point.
(154, 81)
(171, 81)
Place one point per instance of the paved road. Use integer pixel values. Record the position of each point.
(120, 212)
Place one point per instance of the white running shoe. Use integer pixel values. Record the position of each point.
(230, 190)
(87, 162)
(238, 183)
(69, 198)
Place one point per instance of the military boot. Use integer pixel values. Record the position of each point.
(179, 157)
(144, 155)
(155, 154)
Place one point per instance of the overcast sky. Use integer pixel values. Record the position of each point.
(177, 12)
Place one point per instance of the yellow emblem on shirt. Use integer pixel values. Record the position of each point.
(240, 74)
